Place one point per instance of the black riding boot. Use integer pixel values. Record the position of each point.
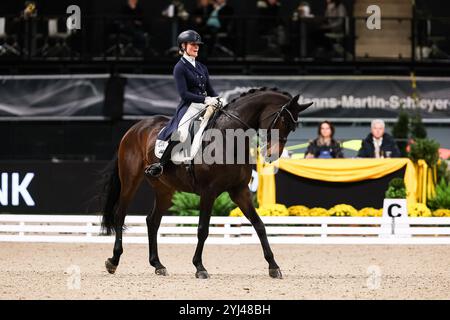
(156, 169)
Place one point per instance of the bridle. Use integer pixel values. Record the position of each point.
(276, 116)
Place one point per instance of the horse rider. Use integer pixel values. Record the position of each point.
(193, 86)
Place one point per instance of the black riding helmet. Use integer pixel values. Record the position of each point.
(189, 36)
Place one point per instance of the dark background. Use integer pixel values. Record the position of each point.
(153, 8)
(71, 187)
(293, 190)
(159, 28)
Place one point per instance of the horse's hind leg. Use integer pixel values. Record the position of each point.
(119, 219)
(242, 197)
(129, 184)
(163, 200)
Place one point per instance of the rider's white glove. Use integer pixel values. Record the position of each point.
(212, 101)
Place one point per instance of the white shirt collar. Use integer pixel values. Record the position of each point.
(379, 141)
(189, 58)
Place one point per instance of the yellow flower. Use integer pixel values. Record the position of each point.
(318, 212)
(263, 212)
(277, 210)
(343, 210)
(419, 210)
(370, 212)
(441, 213)
(300, 211)
(236, 212)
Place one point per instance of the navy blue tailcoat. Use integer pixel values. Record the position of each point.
(193, 85)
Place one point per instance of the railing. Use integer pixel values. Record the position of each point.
(104, 38)
(231, 230)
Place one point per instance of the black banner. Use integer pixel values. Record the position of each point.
(63, 96)
(44, 187)
(334, 97)
(294, 190)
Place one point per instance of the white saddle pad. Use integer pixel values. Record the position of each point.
(183, 131)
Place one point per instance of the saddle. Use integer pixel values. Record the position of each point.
(189, 132)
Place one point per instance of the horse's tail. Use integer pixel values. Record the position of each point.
(111, 194)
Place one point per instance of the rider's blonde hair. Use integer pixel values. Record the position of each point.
(181, 51)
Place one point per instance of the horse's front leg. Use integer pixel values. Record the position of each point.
(206, 203)
(242, 197)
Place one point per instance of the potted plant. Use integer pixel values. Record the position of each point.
(394, 206)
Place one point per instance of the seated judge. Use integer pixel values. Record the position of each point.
(379, 144)
(324, 146)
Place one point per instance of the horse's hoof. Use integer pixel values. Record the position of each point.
(202, 275)
(275, 273)
(161, 272)
(110, 267)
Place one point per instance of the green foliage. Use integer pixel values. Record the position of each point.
(425, 149)
(400, 131)
(392, 193)
(442, 172)
(223, 205)
(418, 130)
(397, 183)
(396, 189)
(442, 198)
(188, 204)
(255, 200)
(185, 204)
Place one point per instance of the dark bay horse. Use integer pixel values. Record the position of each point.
(257, 109)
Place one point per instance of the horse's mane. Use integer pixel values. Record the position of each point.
(255, 91)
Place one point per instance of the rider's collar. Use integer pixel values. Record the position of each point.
(189, 58)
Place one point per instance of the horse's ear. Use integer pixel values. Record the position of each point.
(299, 107)
(304, 106)
(294, 102)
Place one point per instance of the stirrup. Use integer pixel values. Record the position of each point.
(154, 170)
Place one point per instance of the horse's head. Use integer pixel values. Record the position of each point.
(280, 123)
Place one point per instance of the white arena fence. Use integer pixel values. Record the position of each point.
(230, 230)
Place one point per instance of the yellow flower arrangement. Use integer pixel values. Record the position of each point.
(264, 211)
(276, 210)
(340, 210)
(299, 211)
(370, 212)
(236, 212)
(419, 210)
(343, 210)
(318, 212)
(441, 213)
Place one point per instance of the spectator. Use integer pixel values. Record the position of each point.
(304, 27)
(133, 25)
(220, 17)
(270, 24)
(378, 144)
(324, 146)
(334, 24)
(201, 14)
(219, 21)
(303, 11)
(334, 14)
